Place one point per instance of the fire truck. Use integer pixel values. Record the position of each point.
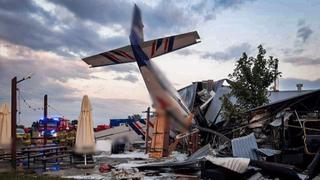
(49, 127)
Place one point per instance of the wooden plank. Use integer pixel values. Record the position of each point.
(160, 140)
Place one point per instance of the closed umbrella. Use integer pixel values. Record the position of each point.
(85, 137)
(5, 127)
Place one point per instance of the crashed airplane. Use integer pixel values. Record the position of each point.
(162, 93)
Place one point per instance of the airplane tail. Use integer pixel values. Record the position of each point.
(136, 35)
(141, 51)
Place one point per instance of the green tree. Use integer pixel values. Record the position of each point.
(249, 84)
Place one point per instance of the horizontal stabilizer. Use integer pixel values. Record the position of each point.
(152, 48)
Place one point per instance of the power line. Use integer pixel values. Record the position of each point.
(54, 109)
(28, 105)
(19, 107)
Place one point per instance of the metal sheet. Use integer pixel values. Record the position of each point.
(188, 95)
(245, 147)
(213, 115)
(202, 152)
(268, 152)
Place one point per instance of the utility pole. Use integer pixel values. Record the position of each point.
(14, 83)
(13, 121)
(45, 116)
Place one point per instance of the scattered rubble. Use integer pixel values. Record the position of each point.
(280, 140)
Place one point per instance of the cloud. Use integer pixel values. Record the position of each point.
(209, 8)
(50, 70)
(52, 74)
(53, 29)
(159, 17)
(48, 37)
(291, 51)
(290, 83)
(100, 11)
(129, 77)
(304, 31)
(303, 60)
(82, 28)
(231, 53)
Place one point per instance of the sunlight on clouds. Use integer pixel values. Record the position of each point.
(191, 69)
(38, 18)
(300, 72)
(111, 31)
(4, 50)
(102, 85)
(45, 5)
(64, 16)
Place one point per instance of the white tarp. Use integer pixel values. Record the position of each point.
(239, 165)
(104, 146)
(85, 138)
(5, 127)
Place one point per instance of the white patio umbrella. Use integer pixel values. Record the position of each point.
(85, 137)
(5, 127)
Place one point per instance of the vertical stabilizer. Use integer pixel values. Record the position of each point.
(136, 35)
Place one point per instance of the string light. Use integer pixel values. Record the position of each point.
(33, 108)
(55, 110)
(28, 105)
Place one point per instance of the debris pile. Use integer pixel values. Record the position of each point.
(280, 140)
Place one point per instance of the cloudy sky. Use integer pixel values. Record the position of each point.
(48, 38)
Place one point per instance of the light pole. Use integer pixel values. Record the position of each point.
(14, 83)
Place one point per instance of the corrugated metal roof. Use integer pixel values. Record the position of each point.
(282, 98)
(275, 96)
(213, 114)
(245, 147)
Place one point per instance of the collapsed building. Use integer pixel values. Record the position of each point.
(281, 139)
(291, 125)
(285, 131)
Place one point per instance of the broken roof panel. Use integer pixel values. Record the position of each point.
(188, 95)
(202, 152)
(213, 115)
(220, 88)
(245, 147)
(268, 152)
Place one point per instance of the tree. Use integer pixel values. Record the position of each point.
(249, 84)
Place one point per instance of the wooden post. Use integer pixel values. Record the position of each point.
(13, 121)
(147, 130)
(45, 106)
(45, 116)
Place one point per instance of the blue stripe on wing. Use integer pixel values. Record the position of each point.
(159, 42)
(171, 41)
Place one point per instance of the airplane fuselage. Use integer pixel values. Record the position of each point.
(163, 95)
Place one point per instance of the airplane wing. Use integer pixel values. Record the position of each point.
(152, 48)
